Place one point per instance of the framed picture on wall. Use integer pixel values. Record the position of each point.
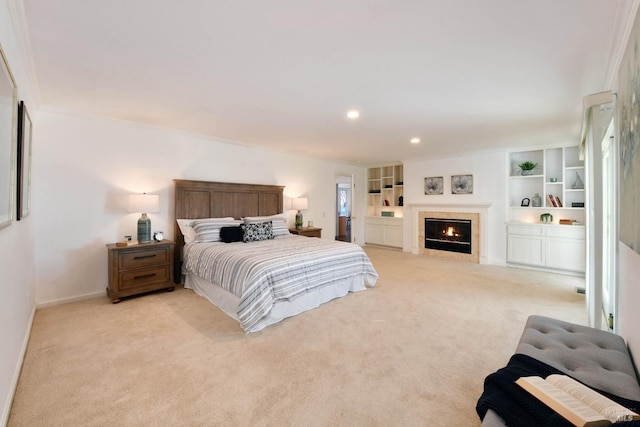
(8, 127)
(433, 185)
(23, 186)
(462, 184)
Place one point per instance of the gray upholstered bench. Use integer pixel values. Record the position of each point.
(598, 358)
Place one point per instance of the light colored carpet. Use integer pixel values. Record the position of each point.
(413, 351)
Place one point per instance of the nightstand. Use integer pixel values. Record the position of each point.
(307, 231)
(140, 268)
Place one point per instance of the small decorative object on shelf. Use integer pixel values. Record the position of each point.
(400, 201)
(546, 218)
(536, 201)
(525, 202)
(526, 168)
(577, 184)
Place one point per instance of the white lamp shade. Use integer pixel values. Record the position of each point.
(299, 203)
(144, 203)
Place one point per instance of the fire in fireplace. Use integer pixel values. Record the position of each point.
(453, 235)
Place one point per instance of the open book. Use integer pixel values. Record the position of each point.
(576, 402)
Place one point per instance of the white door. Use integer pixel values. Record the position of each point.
(609, 224)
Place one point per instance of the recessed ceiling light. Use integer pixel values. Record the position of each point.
(353, 114)
(415, 140)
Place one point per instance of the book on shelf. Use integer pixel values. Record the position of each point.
(552, 201)
(567, 221)
(558, 202)
(577, 403)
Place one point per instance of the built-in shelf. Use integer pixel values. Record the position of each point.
(547, 246)
(385, 188)
(553, 180)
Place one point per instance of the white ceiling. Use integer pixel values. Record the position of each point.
(462, 75)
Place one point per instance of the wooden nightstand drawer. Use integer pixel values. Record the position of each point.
(143, 258)
(140, 268)
(307, 231)
(136, 278)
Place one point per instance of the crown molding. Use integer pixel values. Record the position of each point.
(621, 31)
(18, 17)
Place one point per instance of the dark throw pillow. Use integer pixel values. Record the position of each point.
(231, 234)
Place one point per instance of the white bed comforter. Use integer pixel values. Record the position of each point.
(265, 272)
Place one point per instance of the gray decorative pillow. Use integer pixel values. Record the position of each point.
(257, 231)
(209, 231)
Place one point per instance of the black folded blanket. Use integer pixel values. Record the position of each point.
(517, 407)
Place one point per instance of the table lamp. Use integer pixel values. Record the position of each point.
(299, 204)
(144, 203)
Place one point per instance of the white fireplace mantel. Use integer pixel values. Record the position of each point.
(454, 206)
(412, 211)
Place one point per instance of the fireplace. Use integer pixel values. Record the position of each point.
(456, 235)
(448, 234)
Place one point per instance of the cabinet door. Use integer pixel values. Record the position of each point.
(525, 250)
(566, 254)
(374, 233)
(393, 236)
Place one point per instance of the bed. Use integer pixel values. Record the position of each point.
(259, 282)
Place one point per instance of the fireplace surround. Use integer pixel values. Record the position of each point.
(453, 235)
(470, 253)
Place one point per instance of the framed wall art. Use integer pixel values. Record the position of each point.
(8, 128)
(628, 111)
(433, 185)
(23, 185)
(462, 184)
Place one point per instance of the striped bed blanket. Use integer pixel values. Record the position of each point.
(265, 272)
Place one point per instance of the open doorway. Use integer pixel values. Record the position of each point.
(344, 195)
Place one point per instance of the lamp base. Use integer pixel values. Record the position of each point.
(299, 221)
(144, 229)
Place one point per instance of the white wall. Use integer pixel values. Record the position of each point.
(489, 187)
(17, 261)
(88, 166)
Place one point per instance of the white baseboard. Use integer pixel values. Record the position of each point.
(16, 375)
(70, 299)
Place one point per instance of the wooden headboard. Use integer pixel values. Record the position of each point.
(202, 199)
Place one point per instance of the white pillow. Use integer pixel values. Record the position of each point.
(209, 231)
(272, 218)
(278, 223)
(186, 226)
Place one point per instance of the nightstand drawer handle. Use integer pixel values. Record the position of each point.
(145, 276)
(145, 256)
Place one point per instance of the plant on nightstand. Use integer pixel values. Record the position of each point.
(526, 168)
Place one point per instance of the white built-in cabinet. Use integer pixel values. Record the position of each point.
(385, 190)
(556, 247)
(383, 231)
(559, 177)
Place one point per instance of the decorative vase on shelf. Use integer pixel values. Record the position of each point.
(526, 172)
(577, 184)
(546, 218)
(536, 200)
